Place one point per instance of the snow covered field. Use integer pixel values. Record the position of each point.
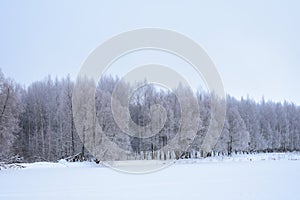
(262, 176)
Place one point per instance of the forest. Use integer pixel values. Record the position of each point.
(37, 124)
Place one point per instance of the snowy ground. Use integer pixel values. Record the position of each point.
(263, 176)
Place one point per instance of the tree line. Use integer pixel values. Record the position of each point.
(37, 124)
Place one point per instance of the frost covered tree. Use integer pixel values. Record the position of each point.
(37, 122)
(239, 137)
(223, 144)
(249, 112)
(10, 109)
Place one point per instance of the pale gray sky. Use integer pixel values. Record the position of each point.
(254, 44)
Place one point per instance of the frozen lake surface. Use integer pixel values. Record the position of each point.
(238, 178)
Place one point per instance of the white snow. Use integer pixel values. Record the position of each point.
(261, 176)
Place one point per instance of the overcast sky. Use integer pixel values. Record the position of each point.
(254, 44)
